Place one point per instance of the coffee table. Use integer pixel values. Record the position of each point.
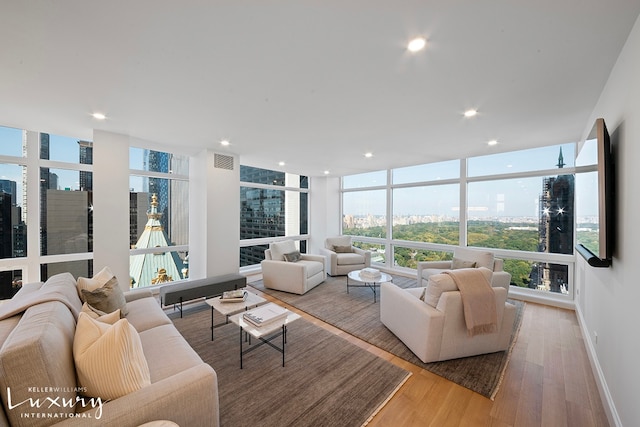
(367, 282)
(265, 334)
(229, 308)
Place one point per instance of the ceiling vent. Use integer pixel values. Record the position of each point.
(220, 161)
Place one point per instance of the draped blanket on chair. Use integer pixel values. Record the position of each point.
(478, 300)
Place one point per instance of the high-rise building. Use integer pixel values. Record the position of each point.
(555, 229)
(270, 212)
(86, 158)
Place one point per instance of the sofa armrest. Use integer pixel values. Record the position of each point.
(137, 294)
(311, 257)
(498, 264)
(189, 398)
(365, 253)
(501, 279)
(331, 264)
(417, 324)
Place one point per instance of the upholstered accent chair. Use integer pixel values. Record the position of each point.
(343, 257)
(434, 328)
(286, 269)
(464, 258)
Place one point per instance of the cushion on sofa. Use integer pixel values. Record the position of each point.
(457, 263)
(292, 256)
(101, 316)
(278, 249)
(167, 352)
(439, 283)
(144, 313)
(350, 259)
(97, 281)
(107, 298)
(342, 249)
(109, 359)
(482, 258)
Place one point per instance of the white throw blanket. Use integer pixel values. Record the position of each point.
(67, 295)
(478, 300)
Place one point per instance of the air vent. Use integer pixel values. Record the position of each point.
(220, 161)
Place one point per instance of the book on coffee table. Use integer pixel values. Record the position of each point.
(370, 273)
(265, 314)
(234, 296)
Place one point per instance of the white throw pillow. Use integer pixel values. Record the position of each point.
(97, 281)
(101, 316)
(109, 359)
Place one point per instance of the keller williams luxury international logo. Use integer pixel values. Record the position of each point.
(47, 398)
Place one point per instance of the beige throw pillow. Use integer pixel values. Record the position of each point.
(292, 256)
(107, 299)
(109, 359)
(342, 249)
(97, 281)
(101, 316)
(457, 263)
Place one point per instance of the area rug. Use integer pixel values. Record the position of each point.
(326, 381)
(357, 314)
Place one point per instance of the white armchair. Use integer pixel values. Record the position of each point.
(435, 329)
(466, 257)
(343, 257)
(285, 269)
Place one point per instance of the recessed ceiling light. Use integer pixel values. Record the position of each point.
(417, 44)
(470, 113)
(224, 142)
(281, 163)
(327, 172)
(368, 155)
(99, 116)
(492, 142)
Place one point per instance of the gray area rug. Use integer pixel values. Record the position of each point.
(326, 381)
(357, 314)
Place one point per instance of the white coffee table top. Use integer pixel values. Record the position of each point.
(258, 332)
(229, 308)
(355, 275)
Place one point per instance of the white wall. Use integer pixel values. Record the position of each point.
(111, 204)
(214, 206)
(608, 299)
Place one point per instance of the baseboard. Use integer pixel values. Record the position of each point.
(603, 389)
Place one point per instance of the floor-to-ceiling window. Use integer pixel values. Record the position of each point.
(273, 206)
(518, 204)
(158, 217)
(46, 209)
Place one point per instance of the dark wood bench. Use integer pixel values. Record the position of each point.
(177, 293)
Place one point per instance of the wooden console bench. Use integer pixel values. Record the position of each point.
(177, 293)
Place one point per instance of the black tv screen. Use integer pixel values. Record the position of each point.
(595, 198)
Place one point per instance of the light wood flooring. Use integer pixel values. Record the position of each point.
(548, 382)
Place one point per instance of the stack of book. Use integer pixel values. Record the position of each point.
(370, 273)
(265, 315)
(234, 296)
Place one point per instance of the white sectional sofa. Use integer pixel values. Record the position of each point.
(38, 378)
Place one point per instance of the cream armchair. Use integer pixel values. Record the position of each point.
(285, 269)
(343, 257)
(466, 257)
(435, 329)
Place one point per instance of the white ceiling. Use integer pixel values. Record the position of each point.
(315, 84)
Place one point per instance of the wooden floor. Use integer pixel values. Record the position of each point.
(548, 382)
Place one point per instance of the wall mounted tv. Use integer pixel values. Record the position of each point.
(595, 198)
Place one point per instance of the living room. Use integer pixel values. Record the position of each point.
(603, 298)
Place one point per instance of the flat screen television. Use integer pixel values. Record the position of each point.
(595, 198)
